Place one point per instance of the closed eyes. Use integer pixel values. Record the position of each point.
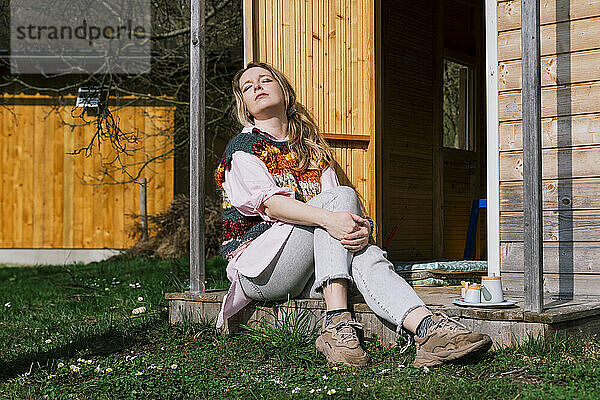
(266, 79)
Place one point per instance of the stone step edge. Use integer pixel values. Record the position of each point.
(553, 316)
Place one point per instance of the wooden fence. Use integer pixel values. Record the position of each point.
(52, 199)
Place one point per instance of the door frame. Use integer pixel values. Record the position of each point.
(493, 156)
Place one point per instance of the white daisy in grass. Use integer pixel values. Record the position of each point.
(348, 389)
(74, 368)
(331, 391)
(173, 366)
(140, 298)
(48, 340)
(7, 305)
(60, 365)
(139, 373)
(108, 369)
(98, 369)
(295, 390)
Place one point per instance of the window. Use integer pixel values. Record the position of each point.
(457, 105)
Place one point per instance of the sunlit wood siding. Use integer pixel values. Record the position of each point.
(570, 43)
(51, 199)
(326, 49)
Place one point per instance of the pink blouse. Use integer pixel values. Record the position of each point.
(248, 184)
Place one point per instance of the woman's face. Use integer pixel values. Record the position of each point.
(261, 93)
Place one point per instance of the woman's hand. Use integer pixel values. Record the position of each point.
(340, 223)
(359, 238)
(350, 229)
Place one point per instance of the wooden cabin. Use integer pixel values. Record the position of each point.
(422, 104)
(59, 208)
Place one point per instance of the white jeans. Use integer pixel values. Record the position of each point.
(312, 257)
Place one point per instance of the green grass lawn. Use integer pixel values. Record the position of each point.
(69, 332)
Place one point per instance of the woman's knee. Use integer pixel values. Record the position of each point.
(371, 259)
(346, 197)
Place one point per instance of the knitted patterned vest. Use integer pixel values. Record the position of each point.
(238, 229)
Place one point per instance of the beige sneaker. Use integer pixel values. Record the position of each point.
(448, 340)
(339, 342)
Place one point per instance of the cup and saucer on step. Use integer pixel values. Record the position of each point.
(486, 294)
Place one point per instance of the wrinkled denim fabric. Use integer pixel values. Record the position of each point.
(312, 257)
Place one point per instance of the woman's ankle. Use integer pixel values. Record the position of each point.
(414, 318)
(335, 293)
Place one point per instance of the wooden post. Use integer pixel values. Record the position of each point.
(197, 161)
(438, 155)
(143, 209)
(532, 156)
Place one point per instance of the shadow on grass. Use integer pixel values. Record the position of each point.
(114, 339)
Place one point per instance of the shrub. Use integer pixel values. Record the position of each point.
(169, 233)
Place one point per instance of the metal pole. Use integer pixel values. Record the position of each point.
(532, 156)
(197, 161)
(143, 209)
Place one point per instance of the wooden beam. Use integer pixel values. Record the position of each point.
(493, 157)
(438, 154)
(532, 155)
(379, 88)
(350, 137)
(197, 161)
(250, 16)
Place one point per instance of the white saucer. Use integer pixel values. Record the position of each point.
(505, 303)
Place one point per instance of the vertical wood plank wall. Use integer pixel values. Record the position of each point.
(408, 114)
(50, 199)
(425, 182)
(326, 50)
(570, 47)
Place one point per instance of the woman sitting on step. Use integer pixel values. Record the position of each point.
(290, 230)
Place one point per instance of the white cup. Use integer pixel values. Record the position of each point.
(463, 289)
(473, 293)
(491, 289)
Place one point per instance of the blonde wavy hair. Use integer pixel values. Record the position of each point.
(305, 139)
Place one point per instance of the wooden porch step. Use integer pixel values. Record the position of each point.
(505, 326)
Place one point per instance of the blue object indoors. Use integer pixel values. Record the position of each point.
(469, 253)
